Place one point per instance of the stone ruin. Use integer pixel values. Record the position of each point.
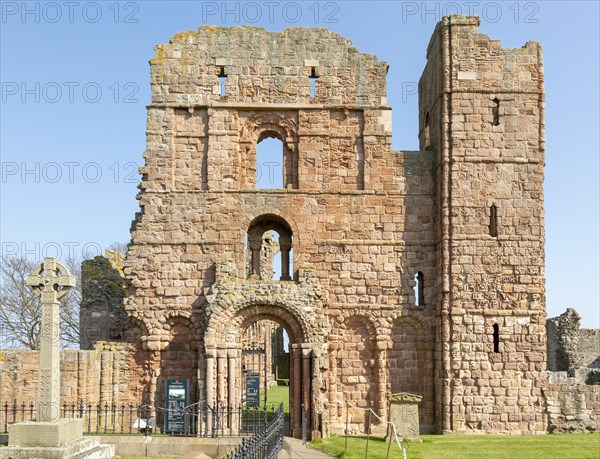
(102, 317)
(573, 390)
(418, 272)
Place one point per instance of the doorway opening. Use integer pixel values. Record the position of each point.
(265, 368)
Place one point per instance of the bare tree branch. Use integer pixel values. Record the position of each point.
(21, 310)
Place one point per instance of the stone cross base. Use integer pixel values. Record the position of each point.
(53, 440)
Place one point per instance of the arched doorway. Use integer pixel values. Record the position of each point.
(227, 364)
(265, 367)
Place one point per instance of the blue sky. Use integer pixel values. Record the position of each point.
(75, 82)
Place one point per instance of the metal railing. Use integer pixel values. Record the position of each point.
(196, 420)
(265, 443)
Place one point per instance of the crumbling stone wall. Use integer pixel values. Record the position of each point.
(569, 346)
(102, 317)
(572, 407)
(589, 347)
(573, 391)
(563, 342)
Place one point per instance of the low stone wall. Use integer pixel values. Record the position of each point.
(169, 446)
(106, 374)
(572, 405)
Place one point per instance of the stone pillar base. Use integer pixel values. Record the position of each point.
(54, 434)
(53, 440)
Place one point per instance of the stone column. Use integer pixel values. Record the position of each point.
(285, 245)
(381, 368)
(332, 374)
(221, 375)
(296, 380)
(255, 246)
(231, 384)
(306, 380)
(210, 376)
(210, 384)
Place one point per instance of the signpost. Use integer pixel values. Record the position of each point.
(177, 398)
(252, 390)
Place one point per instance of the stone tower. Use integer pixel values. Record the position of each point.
(415, 272)
(481, 113)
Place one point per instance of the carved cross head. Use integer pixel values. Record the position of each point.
(50, 280)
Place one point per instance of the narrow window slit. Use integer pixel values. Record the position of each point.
(493, 221)
(222, 78)
(419, 296)
(313, 82)
(496, 337)
(496, 112)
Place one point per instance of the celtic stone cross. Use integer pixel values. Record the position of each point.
(50, 281)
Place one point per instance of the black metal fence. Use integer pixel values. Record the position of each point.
(265, 443)
(196, 420)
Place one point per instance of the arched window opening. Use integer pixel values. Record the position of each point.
(269, 163)
(418, 288)
(493, 221)
(496, 338)
(426, 133)
(271, 256)
(313, 82)
(222, 78)
(496, 112)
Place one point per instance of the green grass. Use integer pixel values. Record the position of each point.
(568, 446)
(277, 395)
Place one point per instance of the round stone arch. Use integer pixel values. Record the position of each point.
(256, 230)
(342, 320)
(250, 217)
(136, 320)
(242, 313)
(285, 127)
(252, 314)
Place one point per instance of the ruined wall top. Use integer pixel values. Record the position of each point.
(479, 63)
(265, 67)
(569, 346)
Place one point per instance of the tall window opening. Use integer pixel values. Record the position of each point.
(496, 112)
(222, 79)
(419, 296)
(426, 133)
(313, 82)
(496, 338)
(269, 163)
(493, 221)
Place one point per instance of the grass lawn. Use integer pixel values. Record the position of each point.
(569, 446)
(277, 395)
